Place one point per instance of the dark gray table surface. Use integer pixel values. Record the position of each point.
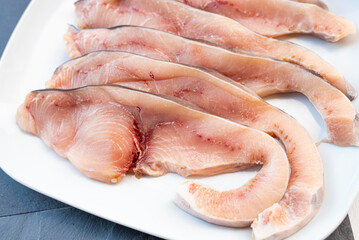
(26, 214)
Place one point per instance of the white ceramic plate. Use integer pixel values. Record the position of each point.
(34, 51)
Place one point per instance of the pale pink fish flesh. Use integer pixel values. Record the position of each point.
(265, 76)
(217, 95)
(186, 21)
(111, 125)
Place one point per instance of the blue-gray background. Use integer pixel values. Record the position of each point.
(25, 214)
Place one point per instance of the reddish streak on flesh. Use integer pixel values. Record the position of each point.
(240, 102)
(178, 25)
(263, 81)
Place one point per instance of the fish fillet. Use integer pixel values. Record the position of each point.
(275, 18)
(265, 76)
(180, 19)
(95, 127)
(220, 96)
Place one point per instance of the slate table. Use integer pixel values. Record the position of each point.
(26, 214)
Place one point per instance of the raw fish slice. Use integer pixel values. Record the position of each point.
(314, 2)
(265, 76)
(217, 95)
(99, 139)
(180, 19)
(275, 18)
(167, 133)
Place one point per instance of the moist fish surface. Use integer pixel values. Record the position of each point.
(265, 76)
(275, 18)
(223, 97)
(100, 128)
(186, 21)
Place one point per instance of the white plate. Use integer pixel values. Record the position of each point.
(34, 51)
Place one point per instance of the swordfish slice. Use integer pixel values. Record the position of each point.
(275, 18)
(265, 76)
(168, 133)
(180, 19)
(220, 96)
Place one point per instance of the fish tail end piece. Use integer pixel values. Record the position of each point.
(348, 28)
(329, 26)
(345, 134)
(185, 198)
(71, 46)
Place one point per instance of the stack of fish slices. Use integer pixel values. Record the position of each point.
(177, 89)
